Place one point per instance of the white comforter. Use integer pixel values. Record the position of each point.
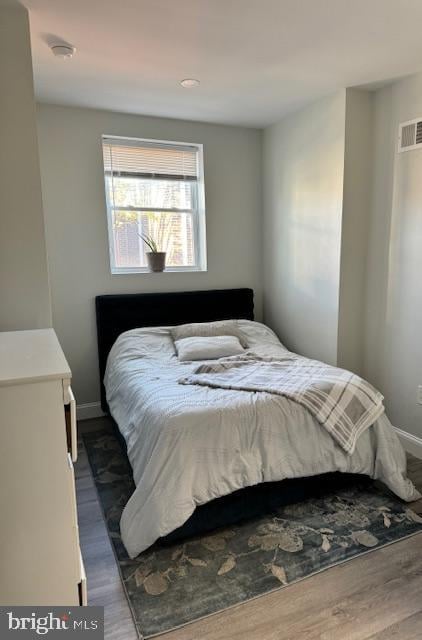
(189, 444)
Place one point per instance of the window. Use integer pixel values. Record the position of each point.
(154, 188)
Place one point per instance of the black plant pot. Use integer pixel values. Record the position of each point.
(156, 260)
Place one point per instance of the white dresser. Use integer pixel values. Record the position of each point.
(40, 559)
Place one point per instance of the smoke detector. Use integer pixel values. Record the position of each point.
(190, 83)
(63, 50)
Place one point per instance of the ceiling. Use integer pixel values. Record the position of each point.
(256, 59)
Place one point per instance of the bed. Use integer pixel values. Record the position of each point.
(204, 458)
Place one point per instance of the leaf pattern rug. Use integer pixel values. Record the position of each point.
(170, 586)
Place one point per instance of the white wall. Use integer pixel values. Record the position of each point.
(24, 287)
(303, 161)
(76, 226)
(393, 344)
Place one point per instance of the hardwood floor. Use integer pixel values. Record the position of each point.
(377, 596)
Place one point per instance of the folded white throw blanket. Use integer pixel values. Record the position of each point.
(341, 401)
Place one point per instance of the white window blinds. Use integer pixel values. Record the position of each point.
(149, 159)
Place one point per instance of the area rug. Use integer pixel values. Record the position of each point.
(170, 586)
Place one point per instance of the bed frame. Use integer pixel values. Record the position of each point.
(119, 313)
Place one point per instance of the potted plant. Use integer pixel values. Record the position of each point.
(156, 259)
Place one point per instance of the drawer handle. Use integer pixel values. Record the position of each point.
(73, 428)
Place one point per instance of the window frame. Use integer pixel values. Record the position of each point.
(198, 212)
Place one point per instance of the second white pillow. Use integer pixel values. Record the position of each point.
(207, 348)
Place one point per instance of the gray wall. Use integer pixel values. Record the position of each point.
(393, 345)
(24, 287)
(76, 225)
(357, 192)
(303, 158)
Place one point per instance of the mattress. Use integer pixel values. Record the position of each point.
(189, 444)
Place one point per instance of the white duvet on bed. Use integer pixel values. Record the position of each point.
(188, 445)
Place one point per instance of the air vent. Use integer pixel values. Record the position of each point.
(410, 135)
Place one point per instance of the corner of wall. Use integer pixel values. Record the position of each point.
(355, 224)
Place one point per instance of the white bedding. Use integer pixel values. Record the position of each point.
(189, 444)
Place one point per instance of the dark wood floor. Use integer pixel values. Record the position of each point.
(377, 596)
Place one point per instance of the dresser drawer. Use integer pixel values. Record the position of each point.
(39, 520)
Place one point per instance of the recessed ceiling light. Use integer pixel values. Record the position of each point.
(63, 50)
(189, 83)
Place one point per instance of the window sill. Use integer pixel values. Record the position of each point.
(140, 270)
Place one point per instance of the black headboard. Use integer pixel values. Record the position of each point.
(119, 313)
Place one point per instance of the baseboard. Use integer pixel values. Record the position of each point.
(89, 410)
(412, 444)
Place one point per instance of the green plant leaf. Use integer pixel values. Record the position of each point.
(150, 242)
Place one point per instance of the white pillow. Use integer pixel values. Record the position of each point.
(208, 329)
(207, 348)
